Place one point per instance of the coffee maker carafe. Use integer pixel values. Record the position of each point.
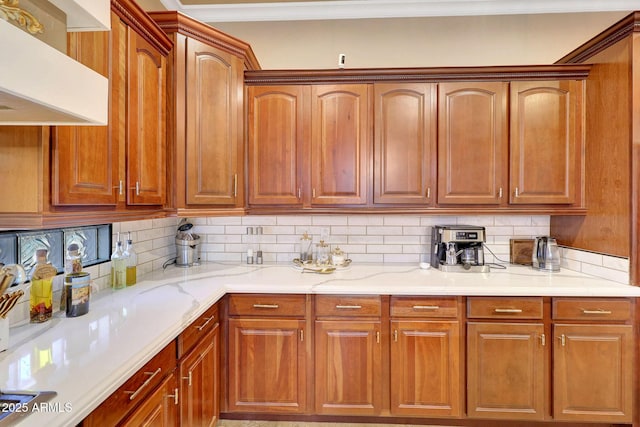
(458, 248)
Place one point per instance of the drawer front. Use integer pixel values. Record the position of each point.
(424, 307)
(592, 309)
(198, 329)
(345, 305)
(135, 389)
(504, 308)
(267, 305)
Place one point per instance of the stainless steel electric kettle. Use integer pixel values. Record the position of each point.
(546, 255)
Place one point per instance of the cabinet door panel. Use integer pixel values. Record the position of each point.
(545, 134)
(404, 144)
(339, 144)
(472, 138)
(199, 382)
(146, 143)
(278, 126)
(84, 162)
(505, 371)
(425, 368)
(267, 365)
(593, 373)
(157, 409)
(214, 131)
(348, 367)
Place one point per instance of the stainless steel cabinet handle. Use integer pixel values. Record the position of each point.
(500, 193)
(563, 340)
(543, 340)
(208, 319)
(120, 187)
(428, 192)
(313, 193)
(348, 307)
(301, 335)
(299, 193)
(377, 337)
(395, 335)
(517, 192)
(270, 306)
(599, 311)
(507, 310)
(426, 307)
(134, 394)
(137, 188)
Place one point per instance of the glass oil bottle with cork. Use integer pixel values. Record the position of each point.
(41, 293)
(131, 256)
(118, 266)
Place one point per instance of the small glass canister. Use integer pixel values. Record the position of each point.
(338, 257)
(322, 252)
(78, 292)
(306, 251)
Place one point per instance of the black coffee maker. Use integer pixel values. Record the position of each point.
(458, 248)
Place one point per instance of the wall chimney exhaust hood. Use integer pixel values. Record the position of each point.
(39, 85)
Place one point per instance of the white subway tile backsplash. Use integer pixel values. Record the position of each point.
(364, 237)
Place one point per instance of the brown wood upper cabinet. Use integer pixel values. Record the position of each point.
(205, 111)
(308, 145)
(472, 142)
(404, 149)
(546, 142)
(278, 126)
(126, 160)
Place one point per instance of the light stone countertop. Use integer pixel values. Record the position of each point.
(85, 359)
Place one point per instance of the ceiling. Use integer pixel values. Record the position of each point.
(296, 10)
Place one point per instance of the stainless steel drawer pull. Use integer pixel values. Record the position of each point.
(134, 394)
(271, 306)
(204, 325)
(348, 307)
(599, 311)
(426, 307)
(507, 310)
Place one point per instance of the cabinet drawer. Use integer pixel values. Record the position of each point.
(198, 329)
(134, 390)
(504, 308)
(592, 309)
(267, 305)
(345, 305)
(424, 307)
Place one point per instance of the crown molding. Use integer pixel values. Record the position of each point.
(358, 9)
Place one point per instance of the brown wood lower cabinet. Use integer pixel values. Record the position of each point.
(199, 382)
(159, 408)
(268, 353)
(593, 359)
(348, 356)
(506, 371)
(425, 356)
(144, 396)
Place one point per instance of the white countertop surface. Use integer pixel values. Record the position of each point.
(85, 359)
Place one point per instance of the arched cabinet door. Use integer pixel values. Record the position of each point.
(214, 126)
(339, 144)
(546, 142)
(472, 143)
(278, 122)
(404, 143)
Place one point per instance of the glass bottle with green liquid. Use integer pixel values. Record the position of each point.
(118, 266)
(132, 262)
